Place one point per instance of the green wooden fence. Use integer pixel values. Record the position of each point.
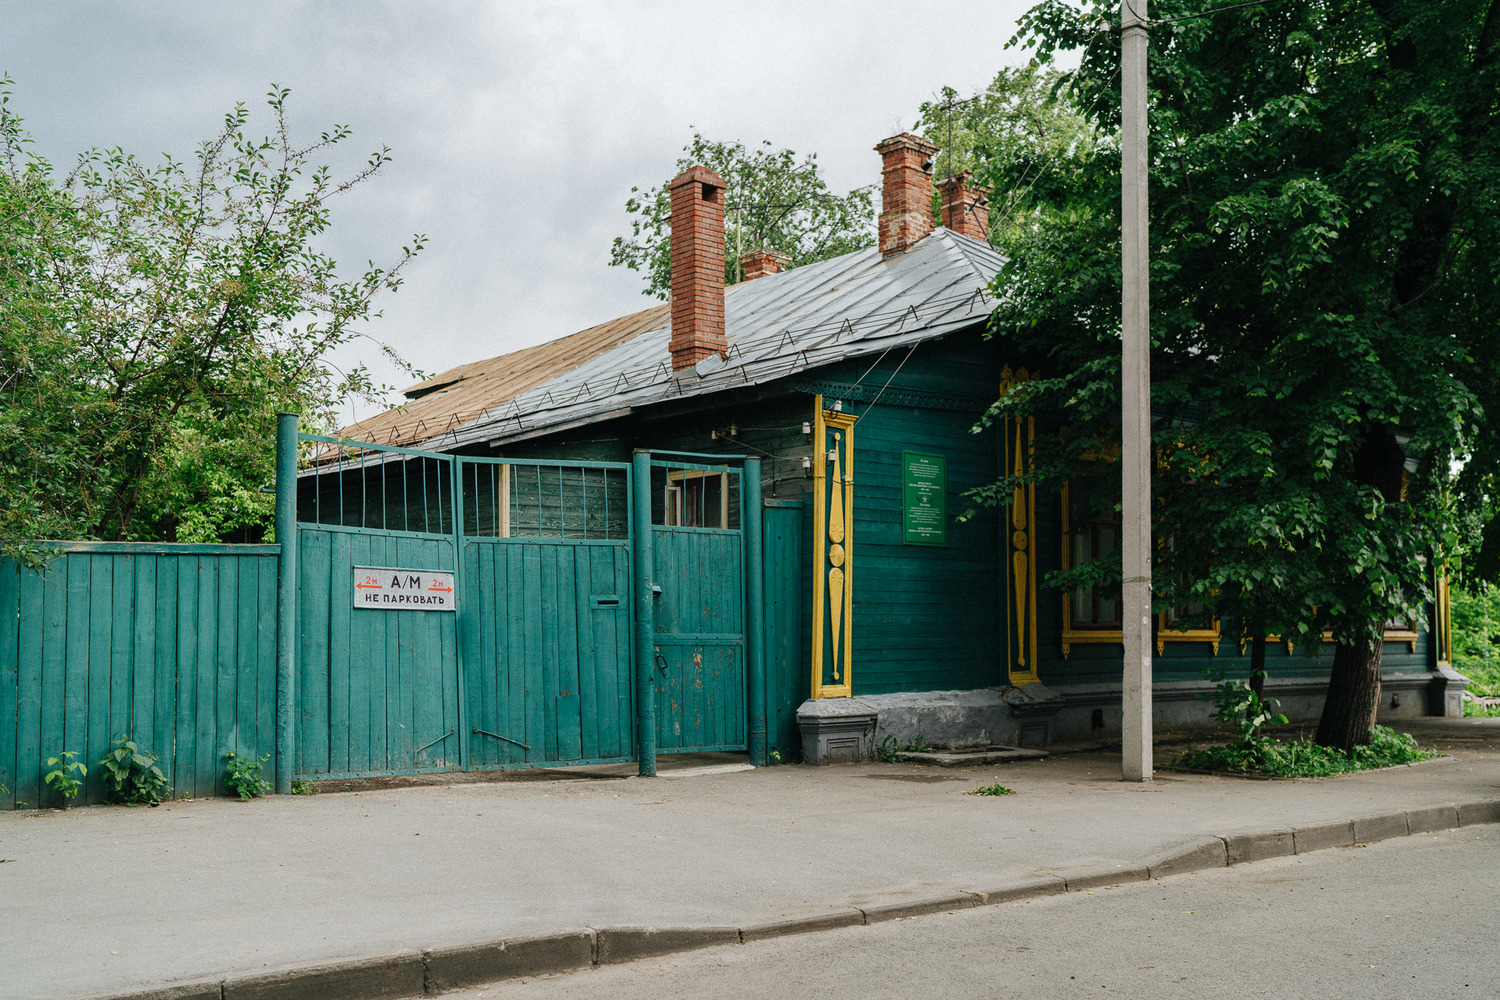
(172, 644)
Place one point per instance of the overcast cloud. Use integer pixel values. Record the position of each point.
(517, 129)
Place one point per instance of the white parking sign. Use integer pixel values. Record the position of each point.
(403, 589)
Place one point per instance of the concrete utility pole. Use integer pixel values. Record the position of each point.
(1135, 398)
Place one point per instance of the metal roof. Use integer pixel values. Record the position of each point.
(857, 304)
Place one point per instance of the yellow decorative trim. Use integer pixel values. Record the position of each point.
(833, 554)
(1442, 613)
(1019, 435)
(1166, 633)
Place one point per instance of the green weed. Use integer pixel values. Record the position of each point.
(892, 751)
(131, 775)
(995, 789)
(242, 775)
(67, 775)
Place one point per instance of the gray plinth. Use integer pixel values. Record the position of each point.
(836, 731)
(1445, 692)
(1033, 706)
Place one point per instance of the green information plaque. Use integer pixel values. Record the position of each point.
(924, 499)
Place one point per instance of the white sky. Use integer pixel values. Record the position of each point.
(518, 129)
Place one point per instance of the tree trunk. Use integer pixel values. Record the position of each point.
(1353, 695)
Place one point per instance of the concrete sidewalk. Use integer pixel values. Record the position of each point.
(211, 894)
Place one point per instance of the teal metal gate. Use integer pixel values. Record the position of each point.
(533, 659)
(698, 560)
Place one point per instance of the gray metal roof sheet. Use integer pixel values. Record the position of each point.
(779, 325)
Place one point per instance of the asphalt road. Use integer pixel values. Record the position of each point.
(1413, 917)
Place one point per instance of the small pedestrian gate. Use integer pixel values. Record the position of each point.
(697, 549)
(536, 666)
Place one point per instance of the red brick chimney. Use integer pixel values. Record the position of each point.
(697, 267)
(966, 209)
(763, 261)
(906, 196)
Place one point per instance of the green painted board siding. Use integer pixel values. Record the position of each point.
(925, 618)
(174, 645)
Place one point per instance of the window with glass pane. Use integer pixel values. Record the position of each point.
(1095, 535)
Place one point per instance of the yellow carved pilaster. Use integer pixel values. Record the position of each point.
(1019, 436)
(833, 544)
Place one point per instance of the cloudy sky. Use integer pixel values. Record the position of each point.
(518, 129)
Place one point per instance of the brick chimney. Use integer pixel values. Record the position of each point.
(966, 208)
(697, 267)
(906, 196)
(763, 261)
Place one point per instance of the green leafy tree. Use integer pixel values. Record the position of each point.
(155, 318)
(1324, 288)
(1018, 129)
(774, 199)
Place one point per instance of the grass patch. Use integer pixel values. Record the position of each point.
(995, 789)
(892, 751)
(1270, 758)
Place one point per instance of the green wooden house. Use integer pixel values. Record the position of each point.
(890, 605)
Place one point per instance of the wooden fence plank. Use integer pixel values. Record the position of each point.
(205, 740)
(341, 637)
(86, 696)
(10, 680)
(188, 571)
(118, 668)
(267, 572)
(38, 706)
(164, 663)
(142, 632)
(313, 595)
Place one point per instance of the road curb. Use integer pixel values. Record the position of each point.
(432, 971)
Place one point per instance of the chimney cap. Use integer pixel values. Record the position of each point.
(906, 141)
(698, 174)
(961, 180)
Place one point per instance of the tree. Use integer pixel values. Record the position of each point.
(1323, 180)
(155, 319)
(1016, 128)
(774, 199)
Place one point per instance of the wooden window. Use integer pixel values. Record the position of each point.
(1094, 535)
(696, 498)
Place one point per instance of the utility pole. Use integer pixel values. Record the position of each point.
(1135, 399)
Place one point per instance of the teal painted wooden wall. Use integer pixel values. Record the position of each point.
(172, 644)
(925, 618)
